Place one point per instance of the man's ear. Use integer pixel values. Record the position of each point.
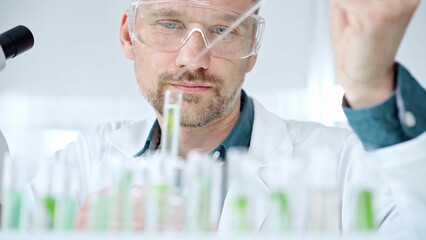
(125, 39)
(251, 62)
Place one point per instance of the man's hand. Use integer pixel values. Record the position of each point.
(366, 35)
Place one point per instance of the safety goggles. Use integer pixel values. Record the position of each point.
(168, 25)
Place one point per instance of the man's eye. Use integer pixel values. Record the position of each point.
(220, 30)
(170, 25)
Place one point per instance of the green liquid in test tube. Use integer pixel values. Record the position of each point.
(280, 199)
(204, 217)
(159, 199)
(171, 123)
(199, 205)
(65, 214)
(61, 201)
(12, 210)
(49, 207)
(200, 212)
(125, 201)
(241, 209)
(365, 214)
(14, 180)
(100, 213)
(163, 176)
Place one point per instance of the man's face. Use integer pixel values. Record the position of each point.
(210, 87)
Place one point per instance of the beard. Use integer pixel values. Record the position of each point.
(197, 110)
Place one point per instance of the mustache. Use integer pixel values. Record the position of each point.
(190, 76)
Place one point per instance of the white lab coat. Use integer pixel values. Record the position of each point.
(400, 196)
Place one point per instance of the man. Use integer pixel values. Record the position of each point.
(163, 39)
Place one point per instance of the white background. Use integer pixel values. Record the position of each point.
(77, 77)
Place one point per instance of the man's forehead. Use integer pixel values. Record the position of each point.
(240, 5)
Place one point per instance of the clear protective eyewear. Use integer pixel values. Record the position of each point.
(167, 26)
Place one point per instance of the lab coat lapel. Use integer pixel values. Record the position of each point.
(270, 133)
(131, 139)
(269, 136)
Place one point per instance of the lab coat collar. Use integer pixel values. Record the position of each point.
(269, 134)
(131, 139)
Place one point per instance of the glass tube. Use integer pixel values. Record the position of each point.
(324, 202)
(14, 176)
(100, 209)
(121, 202)
(284, 176)
(365, 211)
(171, 123)
(139, 194)
(176, 200)
(240, 170)
(159, 182)
(65, 192)
(50, 177)
(280, 200)
(199, 181)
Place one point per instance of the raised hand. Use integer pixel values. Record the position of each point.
(366, 35)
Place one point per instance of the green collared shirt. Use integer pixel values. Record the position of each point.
(400, 118)
(240, 135)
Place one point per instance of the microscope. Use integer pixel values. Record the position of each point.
(12, 43)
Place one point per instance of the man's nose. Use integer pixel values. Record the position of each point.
(189, 54)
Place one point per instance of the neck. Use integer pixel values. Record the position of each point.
(208, 137)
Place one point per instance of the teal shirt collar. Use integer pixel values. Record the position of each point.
(240, 135)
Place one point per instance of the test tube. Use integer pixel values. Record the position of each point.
(159, 182)
(139, 194)
(50, 175)
(365, 212)
(281, 199)
(169, 151)
(199, 180)
(122, 204)
(171, 123)
(65, 192)
(14, 176)
(176, 201)
(240, 170)
(365, 183)
(324, 202)
(285, 178)
(101, 203)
